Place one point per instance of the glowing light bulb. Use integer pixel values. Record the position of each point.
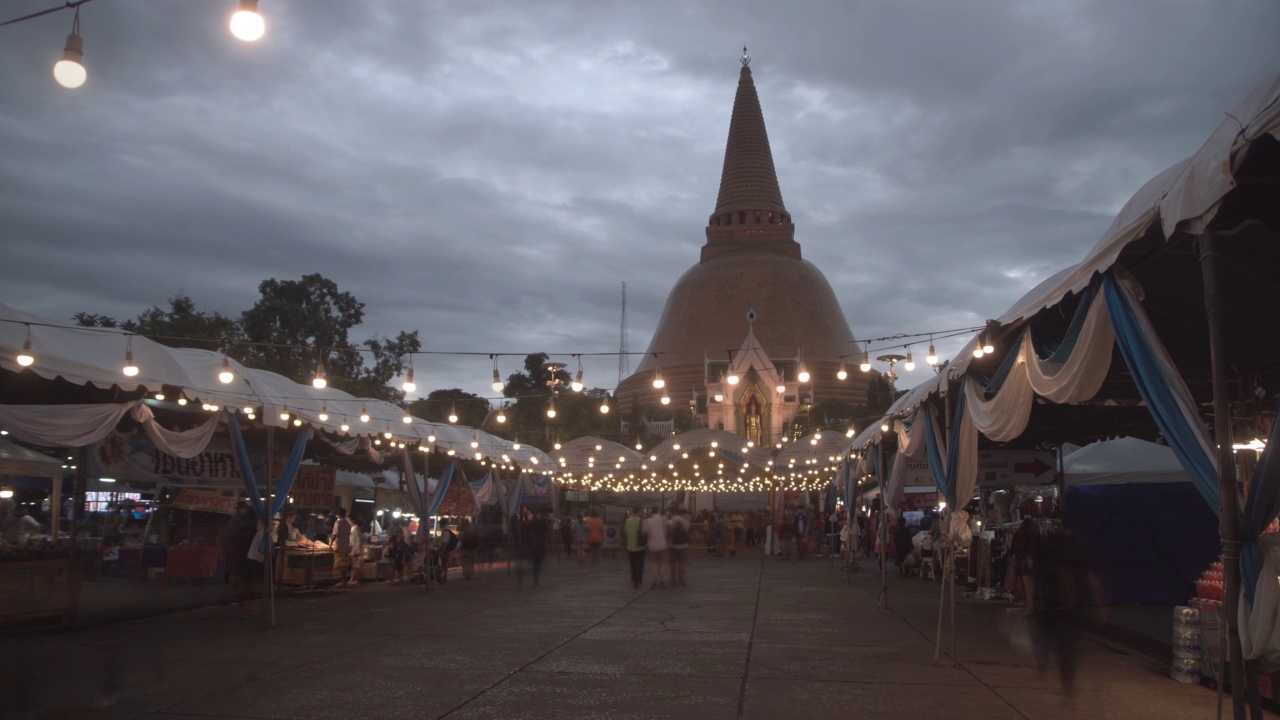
(884, 427)
(130, 370)
(502, 416)
(732, 378)
(551, 408)
(225, 376)
(604, 407)
(160, 396)
(658, 382)
(453, 414)
(841, 374)
(849, 433)
(497, 380)
(297, 422)
(977, 351)
(324, 414)
(182, 401)
(345, 427)
(284, 414)
(69, 72)
(577, 382)
(910, 364)
(719, 397)
(664, 399)
(475, 442)
(246, 24)
(409, 385)
(932, 357)
(364, 414)
(407, 419)
(781, 388)
(803, 375)
(865, 365)
(987, 346)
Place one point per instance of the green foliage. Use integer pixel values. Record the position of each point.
(471, 408)
(181, 325)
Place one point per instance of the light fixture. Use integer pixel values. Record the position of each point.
(364, 413)
(497, 378)
(719, 397)
(25, 358)
(665, 399)
(453, 413)
(284, 414)
(502, 416)
(324, 412)
(130, 369)
(850, 432)
(884, 427)
(781, 388)
(345, 426)
(515, 444)
(6, 494)
(803, 374)
(987, 346)
(159, 396)
(475, 441)
(225, 376)
(732, 377)
(910, 364)
(551, 407)
(841, 374)
(182, 400)
(387, 433)
(977, 351)
(409, 385)
(577, 385)
(69, 72)
(248, 409)
(658, 382)
(932, 357)
(407, 419)
(297, 422)
(246, 23)
(319, 382)
(604, 406)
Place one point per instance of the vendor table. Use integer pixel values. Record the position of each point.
(33, 589)
(191, 562)
(306, 566)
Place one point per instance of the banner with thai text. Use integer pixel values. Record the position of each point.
(214, 500)
(313, 489)
(131, 457)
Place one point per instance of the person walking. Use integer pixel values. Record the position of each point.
(595, 535)
(678, 537)
(800, 527)
(580, 531)
(468, 543)
(566, 535)
(655, 527)
(341, 540)
(357, 554)
(633, 536)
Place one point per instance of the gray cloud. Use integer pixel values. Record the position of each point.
(489, 173)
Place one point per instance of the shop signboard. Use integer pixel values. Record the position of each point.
(1015, 467)
(313, 489)
(214, 500)
(918, 473)
(132, 457)
(612, 537)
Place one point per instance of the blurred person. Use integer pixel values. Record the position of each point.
(21, 526)
(1063, 575)
(595, 535)
(749, 524)
(655, 528)
(533, 539)
(902, 545)
(580, 532)
(785, 537)
(566, 535)
(357, 555)
(800, 529)
(468, 544)
(341, 541)
(633, 536)
(395, 551)
(678, 540)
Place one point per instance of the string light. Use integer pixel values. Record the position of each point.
(409, 385)
(297, 422)
(25, 358)
(182, 400)
(865, 364)
(803, 374)
(130, 369)
(841, 374)
(159, 396)
(577, 385)
(987, 346)
(502, 416)
(324, 412)
(69, 72)
(658, 382)
(932, 357)
(246, 23)
(551, 407)
(604, 406)
(364, 413)
(284, 414)
(225, 376)
(453, 413)
(319, 382)
(407, 419)
(497, 384)
(910, 364)
(475, 441)
(665, 399)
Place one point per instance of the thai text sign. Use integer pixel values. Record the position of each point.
(134, 458)
(215, 500)
(313, 488)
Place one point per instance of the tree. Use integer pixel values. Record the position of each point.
(471, 408)
(388, 362)
(301, 324)
(182, 325)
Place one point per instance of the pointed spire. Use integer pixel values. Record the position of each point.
(749, 211)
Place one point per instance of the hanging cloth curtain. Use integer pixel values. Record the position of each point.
(62, 425)
(182, 444)
(442, 487)
(416, 497)
(1260, 507)
(1163, 389)
(283, 485)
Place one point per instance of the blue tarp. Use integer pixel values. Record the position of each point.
(1148, 543)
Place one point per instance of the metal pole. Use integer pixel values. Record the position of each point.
(882, 532)
(268, 600)
(1229, 513)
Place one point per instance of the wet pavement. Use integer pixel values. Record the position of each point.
(749, 637)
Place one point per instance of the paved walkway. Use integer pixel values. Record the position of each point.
(748, 638)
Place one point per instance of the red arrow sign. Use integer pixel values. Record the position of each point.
(1035, 468)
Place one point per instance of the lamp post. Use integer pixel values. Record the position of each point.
(891, 375)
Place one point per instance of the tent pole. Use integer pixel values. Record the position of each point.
(882, 531)
(55, 506)
(1229, 514)
(268, 592)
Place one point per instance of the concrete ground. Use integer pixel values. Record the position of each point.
(750, 637)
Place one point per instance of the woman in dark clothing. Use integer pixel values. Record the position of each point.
(902, 544)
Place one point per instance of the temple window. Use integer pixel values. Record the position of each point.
(770, 217)
(757, 217)
(742, 217)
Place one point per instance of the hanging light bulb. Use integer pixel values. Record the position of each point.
(719, 397)
(130, 369)
(781, 388)
(297, 422)
(841, 374)
(407, 419)
(284, 414)
(803, 374)
(577, 380)
(497, 378)
(453, 413)
(364, 414)
(159, 396)
(69, 72)
(182, 400)
(556, 446)
(850, 432)
(409, 385)
(475, 441)
(910, 364)
(387, 433)
(865, 364)
(604, 406)
(502, 416)
(987, 346)
(665, 400)
(246, 23)
(732, 377)
(884, 427)
(324, 412)
(977, 351)
(551, 407)
(319, 382)
(658, 382)
(225, 376)
(932, 357)
(248, 409)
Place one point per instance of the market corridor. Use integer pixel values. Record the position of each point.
(748, 638)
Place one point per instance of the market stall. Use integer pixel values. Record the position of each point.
(35, 570)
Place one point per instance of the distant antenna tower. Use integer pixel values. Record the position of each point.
(624, 347)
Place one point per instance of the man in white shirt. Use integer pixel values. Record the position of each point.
(22, 527)
(655, 528)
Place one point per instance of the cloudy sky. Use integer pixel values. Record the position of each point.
(489, 173)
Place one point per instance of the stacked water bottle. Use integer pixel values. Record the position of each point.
(1186, 645)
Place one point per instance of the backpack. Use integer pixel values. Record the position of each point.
(679, 533)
